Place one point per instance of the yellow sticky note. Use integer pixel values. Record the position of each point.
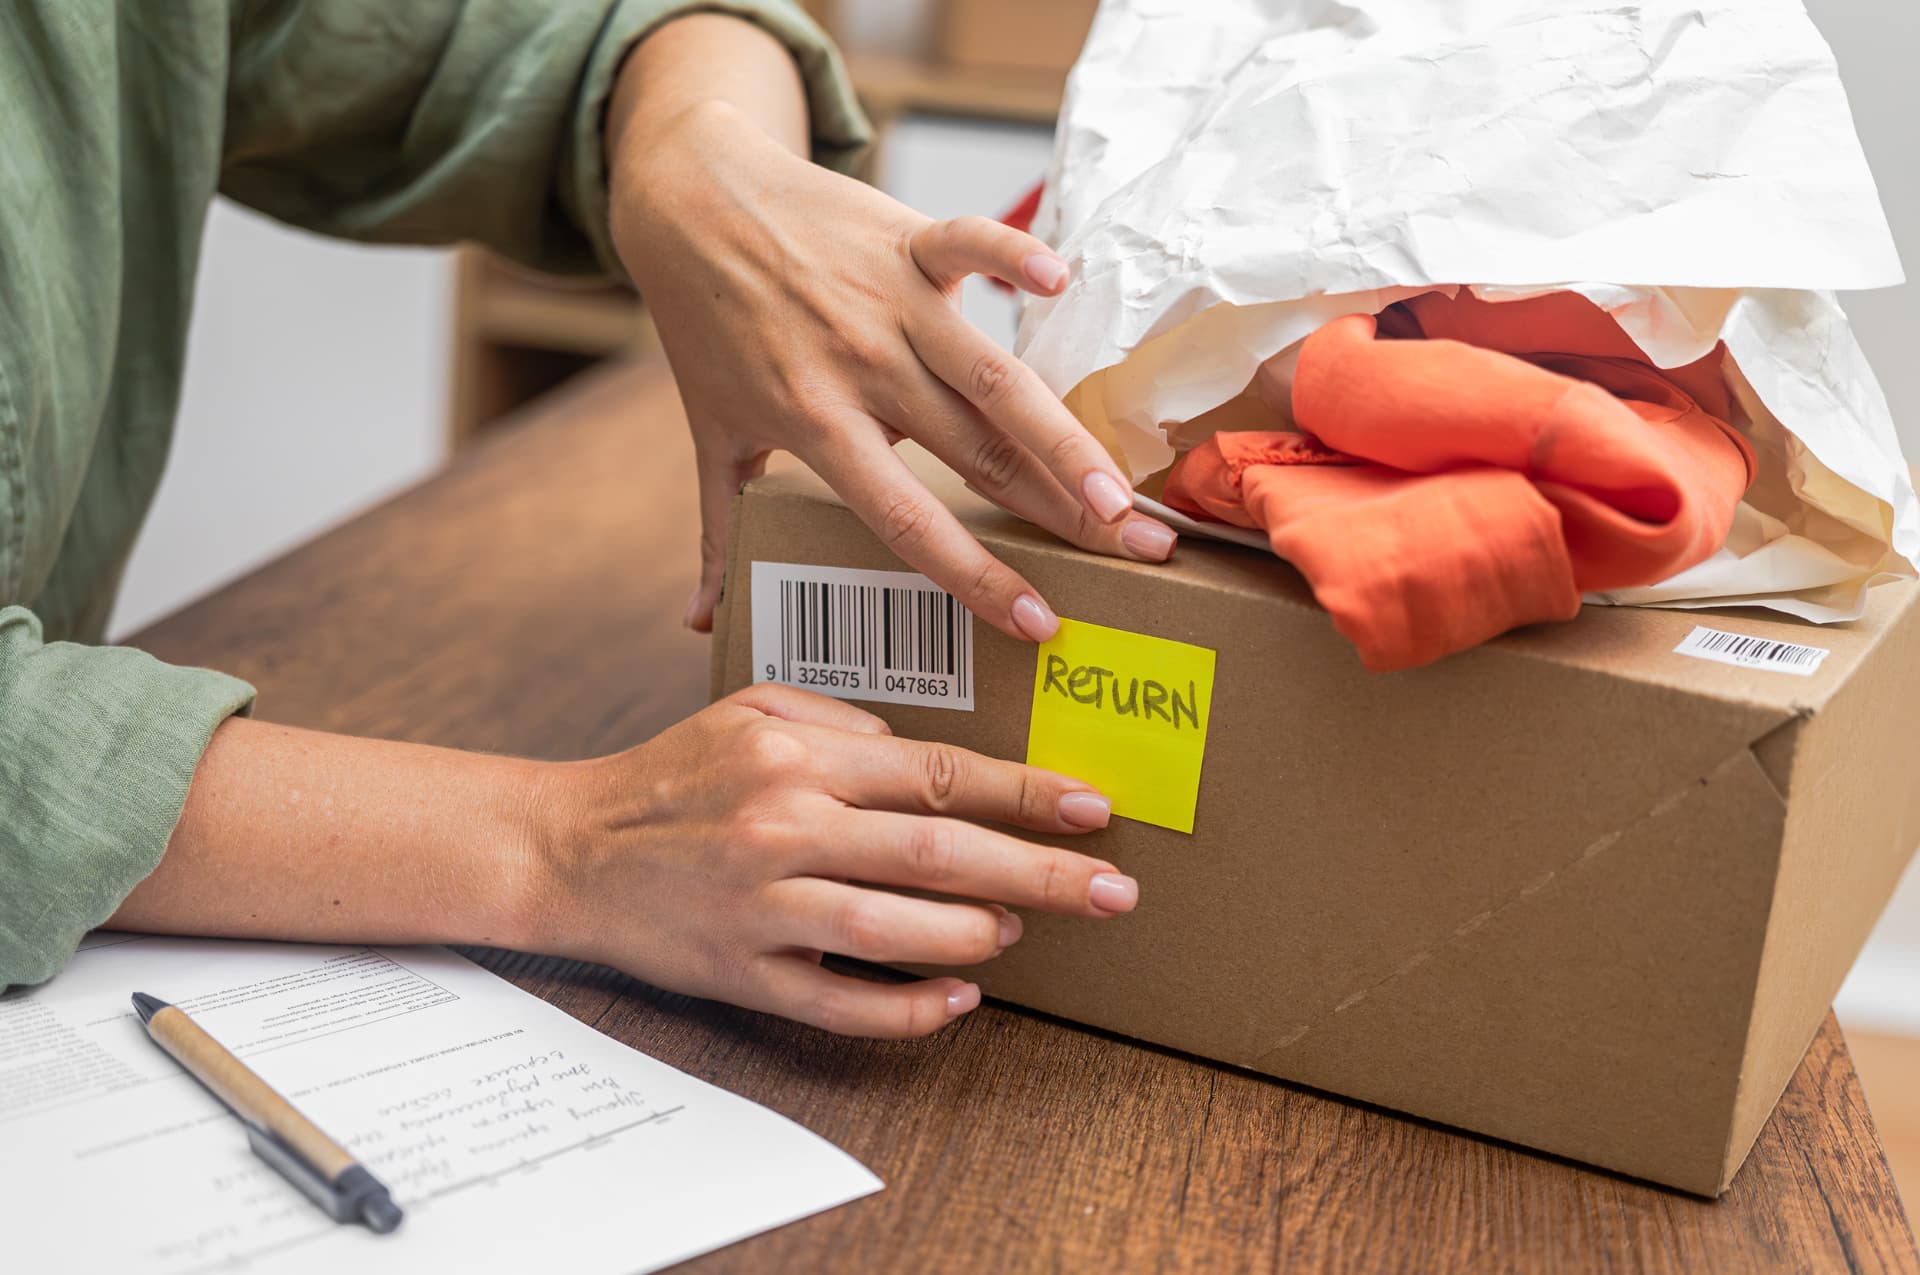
(1127, 713)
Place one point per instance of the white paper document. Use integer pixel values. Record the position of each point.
(516, 1137)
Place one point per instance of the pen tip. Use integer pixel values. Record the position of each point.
(380, 1213)
(147, 1006)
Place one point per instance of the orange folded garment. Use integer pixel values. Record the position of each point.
(1441, 493)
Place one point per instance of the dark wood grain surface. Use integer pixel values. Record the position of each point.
(529, 601)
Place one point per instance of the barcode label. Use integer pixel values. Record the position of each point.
(889, 636)
(1753, 652)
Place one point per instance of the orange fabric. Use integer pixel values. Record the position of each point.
(1445, 492)
(1557, 323)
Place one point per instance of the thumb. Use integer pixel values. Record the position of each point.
(720, 478)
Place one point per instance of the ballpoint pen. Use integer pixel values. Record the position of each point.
(324, 1170)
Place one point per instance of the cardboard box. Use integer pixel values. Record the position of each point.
(1028, 35)
(1573, 889)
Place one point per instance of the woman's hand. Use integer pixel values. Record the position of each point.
(719, 859)
(807, 312)
(723, 857)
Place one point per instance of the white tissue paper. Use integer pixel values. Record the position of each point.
(1228, 176)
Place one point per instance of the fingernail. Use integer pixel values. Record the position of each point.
(1031, 617)
(1085, 810)
(1145, 538)
(962, 999)
(693, 604)
(1107, 498)
(1111, 892)
(1046, 270)
(1010, 929)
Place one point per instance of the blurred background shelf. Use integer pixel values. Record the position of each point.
(518, 308)
(890, 87)
(517, 334)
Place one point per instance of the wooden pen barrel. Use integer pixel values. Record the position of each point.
(235, 1084)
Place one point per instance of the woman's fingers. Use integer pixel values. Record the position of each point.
(1002, 388)
(949, 856)
(879, 926)
(720, 478)
(1008, 394)
(1005, 472)
(917, 777)
(800, 989)
(807, 708)
(948, 251)
(923, 533)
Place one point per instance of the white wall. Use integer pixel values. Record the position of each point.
(316, 384)
(1875, 42)
(947, 168)
(1882, 994)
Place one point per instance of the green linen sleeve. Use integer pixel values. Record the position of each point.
(438, 120)
(97, 747)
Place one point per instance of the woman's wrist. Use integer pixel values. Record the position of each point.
(296, 834)
(700, 58)
(699, 88)
(553, 832)
(664, 191)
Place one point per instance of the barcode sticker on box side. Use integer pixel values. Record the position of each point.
(893, 637)
(1745, 651)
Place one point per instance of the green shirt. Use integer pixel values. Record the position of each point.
(413, 121)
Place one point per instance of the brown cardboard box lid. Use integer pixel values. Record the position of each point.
(1635, 643)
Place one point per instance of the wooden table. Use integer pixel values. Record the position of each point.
(529, 600)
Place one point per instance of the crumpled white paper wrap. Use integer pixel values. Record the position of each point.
(1228, 176)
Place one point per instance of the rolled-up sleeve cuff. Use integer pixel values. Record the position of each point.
(840, 129)
(97, 748)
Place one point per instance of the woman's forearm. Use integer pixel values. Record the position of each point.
(715, 859)
(295, 834)
(700, 59)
